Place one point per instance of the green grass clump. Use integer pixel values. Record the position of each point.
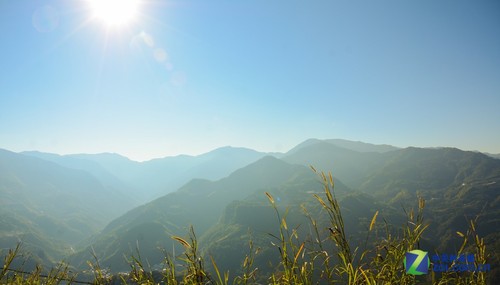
(57, 275)
(317, 259)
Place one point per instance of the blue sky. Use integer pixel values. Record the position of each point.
(190, 76)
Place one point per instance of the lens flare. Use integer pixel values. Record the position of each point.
(115, 12)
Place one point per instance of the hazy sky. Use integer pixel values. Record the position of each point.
(190, 76)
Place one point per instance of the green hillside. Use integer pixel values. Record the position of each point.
(458, 186)
(50, 208)
(199, 203)
(349, 166)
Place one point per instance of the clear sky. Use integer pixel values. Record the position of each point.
(190, 76)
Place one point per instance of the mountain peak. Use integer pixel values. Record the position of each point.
(356, 146)
(360, 146)
(230, 149)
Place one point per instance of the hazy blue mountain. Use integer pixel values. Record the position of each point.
(44, 204)
(420, 169)
(158, 177)
(95, 168)
(351, 167)
(346, 144)
(457, 185)
(55, 190)
(122, 168)
(213, 165)
(199, 203)
(362, 146)
(392, 178)
(226, 160)
(38, 235)
(220, 193)
(497, 155)
(48, 188)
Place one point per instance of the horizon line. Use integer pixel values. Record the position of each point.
(237, 147)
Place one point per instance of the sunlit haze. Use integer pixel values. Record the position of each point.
(115, 12)
(187, 77)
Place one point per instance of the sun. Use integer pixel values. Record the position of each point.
(115, 12)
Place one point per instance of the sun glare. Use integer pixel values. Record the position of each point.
(115, 12)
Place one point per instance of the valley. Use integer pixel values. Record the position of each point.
(76, 206)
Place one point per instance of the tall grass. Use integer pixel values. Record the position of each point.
(316, 259)
(60, 274)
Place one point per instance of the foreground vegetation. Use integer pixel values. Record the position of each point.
(316, 259)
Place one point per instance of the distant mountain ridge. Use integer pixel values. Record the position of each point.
(349, 166)
(49, 207)
(94, 168)
(214, 192)
(357, 146)
(199, 203)
(151, 179)
(393, 177)
(497, 155)
(416, 169)
(40, 185)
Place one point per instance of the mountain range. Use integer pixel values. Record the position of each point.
(145, 181)
(70, 206)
